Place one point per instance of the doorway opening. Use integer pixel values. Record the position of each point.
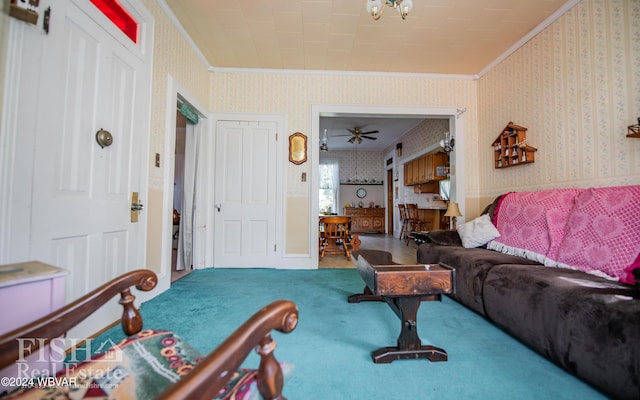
(453, 115)
(390, 201)
(197, 181)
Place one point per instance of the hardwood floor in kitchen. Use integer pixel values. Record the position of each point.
(401, 253)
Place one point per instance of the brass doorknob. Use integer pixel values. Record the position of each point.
(104, 138)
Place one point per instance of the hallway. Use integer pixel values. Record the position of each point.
(402, 254)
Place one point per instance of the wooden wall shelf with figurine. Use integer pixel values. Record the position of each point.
(511, 149)
(634, 130)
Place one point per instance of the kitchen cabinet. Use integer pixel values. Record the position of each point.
(429, 167)
(408, 174)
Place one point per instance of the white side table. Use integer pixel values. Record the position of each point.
(29, 291)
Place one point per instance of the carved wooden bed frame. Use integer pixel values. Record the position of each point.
(210, 375)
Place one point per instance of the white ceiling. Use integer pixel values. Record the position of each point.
(438, 36)
(454, 37)
(390, 128)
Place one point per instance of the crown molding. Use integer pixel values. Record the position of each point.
(340, 73)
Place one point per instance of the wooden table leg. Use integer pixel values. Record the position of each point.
(366, 295)
(355, 242)
(409, 344)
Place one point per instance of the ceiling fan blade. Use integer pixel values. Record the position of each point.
(370, 132)
(352, 139)
(370, 138)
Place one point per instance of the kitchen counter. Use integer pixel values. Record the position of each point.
(433, 217)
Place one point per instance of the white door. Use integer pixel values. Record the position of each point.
(82, 192)
(245, 194)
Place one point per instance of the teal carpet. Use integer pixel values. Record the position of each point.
(331, 346)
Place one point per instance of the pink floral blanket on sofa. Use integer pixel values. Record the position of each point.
(596, 230)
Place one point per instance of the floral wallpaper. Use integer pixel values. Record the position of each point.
(576, 87)
(172, 55)
(429, 132)
(294, 94)
(358, 165)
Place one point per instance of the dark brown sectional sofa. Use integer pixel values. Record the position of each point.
(587, 324)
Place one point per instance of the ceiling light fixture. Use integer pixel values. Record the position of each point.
(323, 143)
(376, 7)
(447, 143)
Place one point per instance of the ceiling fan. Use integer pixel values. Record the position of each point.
(357, 134)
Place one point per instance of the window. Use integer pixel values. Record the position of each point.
(445, 189)
(329, 186)
(119, 16)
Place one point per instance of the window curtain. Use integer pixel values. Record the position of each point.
(330, 168)
(189, 214)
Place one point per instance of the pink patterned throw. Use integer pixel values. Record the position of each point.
(603, 232)
(531, 224)
(595, 230)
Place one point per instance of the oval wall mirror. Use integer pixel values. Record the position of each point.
(298, 148)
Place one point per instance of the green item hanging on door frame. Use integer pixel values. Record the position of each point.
(189, 113)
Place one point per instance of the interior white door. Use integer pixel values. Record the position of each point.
(82, 192)
(245, 195)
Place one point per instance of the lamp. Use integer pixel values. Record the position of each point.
(447, 143)
(453, 211)
(376, 7)
(323, 144)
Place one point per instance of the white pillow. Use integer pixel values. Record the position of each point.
(478, 232)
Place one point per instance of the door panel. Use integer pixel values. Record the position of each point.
(245, 192)
(81, 195)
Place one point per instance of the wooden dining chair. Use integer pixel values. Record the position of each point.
(413, 221)
(403, 221)
(335, 237)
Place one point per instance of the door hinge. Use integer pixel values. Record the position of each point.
(274, 248)
(276, 136)
(46, 20)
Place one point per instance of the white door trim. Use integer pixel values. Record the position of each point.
(456, 124)
(174, 91)
(14, 206)
(389, 207)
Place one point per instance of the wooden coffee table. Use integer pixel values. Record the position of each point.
(403, 288)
